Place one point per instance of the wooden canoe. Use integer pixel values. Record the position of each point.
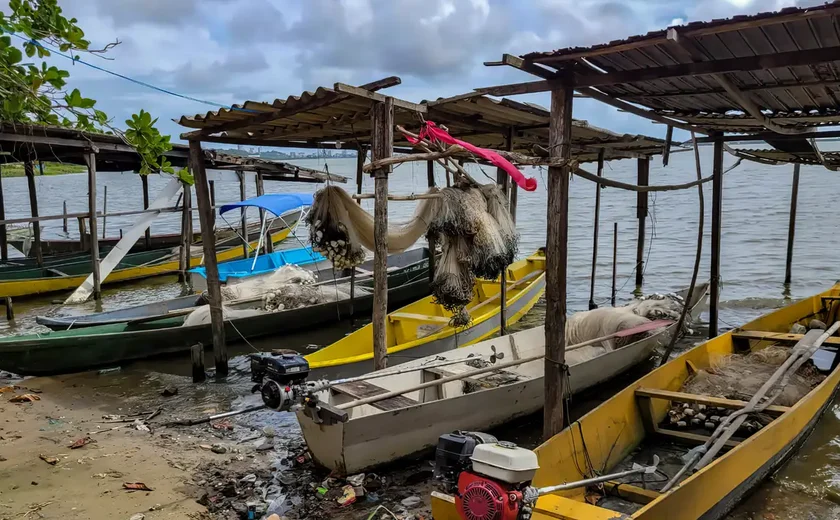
(386, 431)
(66, 351)
(165, 308)
(631, 421)
(31, 282)
(422, 328)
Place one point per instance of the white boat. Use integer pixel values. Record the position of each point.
(388, 430)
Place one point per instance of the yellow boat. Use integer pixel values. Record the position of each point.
(422, 328)
(162, 263)
(605, 440)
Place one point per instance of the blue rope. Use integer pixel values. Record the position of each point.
(77, 59)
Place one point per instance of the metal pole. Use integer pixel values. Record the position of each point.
(794, 195)
(557, 233)
(592, 304)
(717, 210)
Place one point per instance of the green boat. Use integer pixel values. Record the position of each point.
(67, 351)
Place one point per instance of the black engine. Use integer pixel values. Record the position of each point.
(453, 453)
(282, 372)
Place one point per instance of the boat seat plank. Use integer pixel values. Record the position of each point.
(396, 316)
(692, 439)
(446, 372)
(778, 337)
(630, 492)
(363, 389)
(720, 402)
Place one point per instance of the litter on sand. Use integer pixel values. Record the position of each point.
(78, 443)
(136, 486)
(24, 398)
(52, 461)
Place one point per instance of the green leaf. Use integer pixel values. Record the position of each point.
(14, 55)
(87, 103)
(29, 49)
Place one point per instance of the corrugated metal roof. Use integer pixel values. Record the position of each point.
(480, 120)
(782, 157)
(806, 89)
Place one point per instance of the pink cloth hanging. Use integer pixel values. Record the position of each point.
(433, 133)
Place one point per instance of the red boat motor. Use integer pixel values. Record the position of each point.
(492, 484)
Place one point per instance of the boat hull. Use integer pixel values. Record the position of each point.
(465, 337)
(380, 438)
(110, 345)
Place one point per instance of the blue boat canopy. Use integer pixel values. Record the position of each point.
(277, 203)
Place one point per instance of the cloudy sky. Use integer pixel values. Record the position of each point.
(227, 51)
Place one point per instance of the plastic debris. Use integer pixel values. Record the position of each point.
(24, 398)
(222, 425)
(112, 370)
(249, 478)
(218, 448)
(52, 461)
(169, 391)
(411, 502)
(78, 443)
(263, 445)
(372, 498)
(136, 486)
(356, 480)
(5, 389)
(269, 431)
(321, 490)
(348, 496)
(138, 516)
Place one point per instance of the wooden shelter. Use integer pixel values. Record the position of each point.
(31, 144)
(362, 118)
(771, 76)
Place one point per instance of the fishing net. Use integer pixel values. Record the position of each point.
(657, 306)
(293, 296)
(739, 376)
(256, 286)
(588, 325)
(201, 316)
(339, 227)
(472, 224)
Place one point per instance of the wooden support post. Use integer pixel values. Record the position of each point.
(794, 195)
(556, 253)
(503, 180)
(83, 234)
(4, 245)
(592, 304)
(90, 159)
(361, 155)
(666, 148)
(243, 218)
(641, 213)
(197, 355)
(104, 211)
(717, 210)
(269, 245)
(514, 199)
(213, 200)
(186, 234)
(64, 220)
(382, 145)
(29, 169)
(615, 261)
(430, 178)
(144, 179)
(214, 290)
(10, 309)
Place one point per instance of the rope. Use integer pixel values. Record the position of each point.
(76, 59)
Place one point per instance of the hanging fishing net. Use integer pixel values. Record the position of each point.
(472, 224)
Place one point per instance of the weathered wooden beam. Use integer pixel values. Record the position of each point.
(267, 241)
(144, 179)
(90, 159)
(243, 219)
(794, 195)
(717, 213)
(29, 169)
(264, 117)
(214, 290)
(382, 143)
(503, 180)
(430, 179)
(643, 179)
(779, 87)
(666, 148)
(600, 173)
(186, 232)
(779, 337)
(361, 156)
(4, 244)
(557, 233)
(718, 402)
(364, 93)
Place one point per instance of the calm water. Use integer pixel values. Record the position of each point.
(755, 221)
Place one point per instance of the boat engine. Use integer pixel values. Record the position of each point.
(493, 477)
(284, 373)
(281, 381)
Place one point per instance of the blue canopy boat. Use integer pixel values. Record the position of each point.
(278, 204)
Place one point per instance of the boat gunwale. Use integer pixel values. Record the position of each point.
(447, 330)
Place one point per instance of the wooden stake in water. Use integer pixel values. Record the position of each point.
(64, 220)
(104, 211)
(197, 354)
(615, 261)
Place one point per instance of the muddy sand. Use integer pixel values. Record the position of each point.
(211, 471)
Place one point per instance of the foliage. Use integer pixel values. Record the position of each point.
(33, 92)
